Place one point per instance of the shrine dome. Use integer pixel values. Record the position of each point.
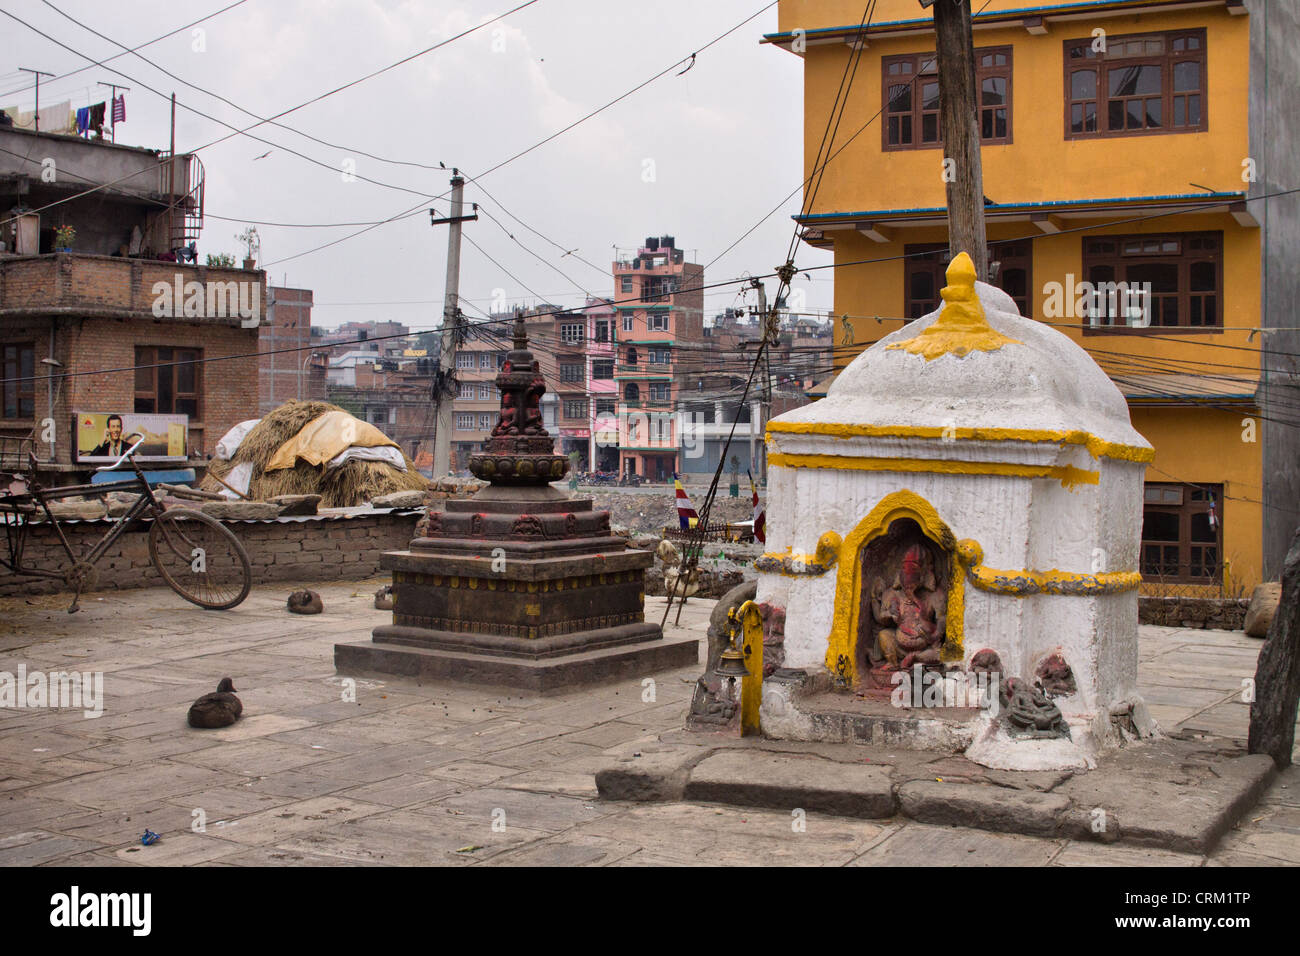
(968, 373)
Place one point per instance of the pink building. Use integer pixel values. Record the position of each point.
(660, 303)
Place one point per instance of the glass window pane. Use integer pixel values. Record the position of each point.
(1193, 111)
(929, 96)
(1000, 124)
(1135, 114)
(906, 128)
(893, 131)
(922, 285)
(993, 91)
(1187, 77)
(1163, 276)
(1153, 112)
(1180, 111)
(1201, 530)
(1116, 114)
(1076, 118)
(1204, 277)
(900, 99)
(1083, 85)
(1159, 526)
(930, 128)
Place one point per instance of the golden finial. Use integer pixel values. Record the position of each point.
(961, 327)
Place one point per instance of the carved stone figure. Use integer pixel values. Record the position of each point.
(910, 611)
(1029, 713)
(1055, 679)
(507, 423)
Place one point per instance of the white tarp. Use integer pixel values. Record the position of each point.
(232, 439)
(239, 479)
(384, 453)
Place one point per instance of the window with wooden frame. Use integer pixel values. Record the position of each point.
(924, 267)
(657, 321)
(1182, 526)
(1136, 85)
(910, 90)
(575, 409)
(17, 380)
(571, 372)
(1184, 272)
(168, 381)
(602, 369)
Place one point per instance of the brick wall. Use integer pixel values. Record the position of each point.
(56, 288)
(301, 551)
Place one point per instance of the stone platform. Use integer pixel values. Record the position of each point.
(517, 587)
(1181, 794)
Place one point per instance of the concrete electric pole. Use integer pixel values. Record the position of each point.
(452, 327)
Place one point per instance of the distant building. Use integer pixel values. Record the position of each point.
(660, 303)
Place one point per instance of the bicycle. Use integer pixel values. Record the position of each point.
(197, 556)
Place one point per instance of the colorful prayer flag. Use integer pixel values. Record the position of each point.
(686, 513)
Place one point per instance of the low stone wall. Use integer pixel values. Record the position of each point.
(319, 548)
(1228, 614)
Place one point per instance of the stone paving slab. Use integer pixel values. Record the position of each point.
(1175, 794)
(79, 792)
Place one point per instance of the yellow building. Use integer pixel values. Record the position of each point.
(1131, 156)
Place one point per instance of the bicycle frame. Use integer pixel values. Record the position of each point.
(16, 526)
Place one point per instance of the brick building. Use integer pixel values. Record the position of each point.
(284, 374)
(161, 337)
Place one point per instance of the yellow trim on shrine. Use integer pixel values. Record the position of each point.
(1068, 475)
(1025, 583)
(1096, 447)
(961, 327)
(841, 650)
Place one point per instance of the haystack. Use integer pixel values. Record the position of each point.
(352, 483)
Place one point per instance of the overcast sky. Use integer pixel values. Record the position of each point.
(701, 156)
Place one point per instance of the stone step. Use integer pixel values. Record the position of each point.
(1171, 794)
(548, 675)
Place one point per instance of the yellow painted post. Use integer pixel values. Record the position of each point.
(751, 686)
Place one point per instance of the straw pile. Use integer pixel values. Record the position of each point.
(353, 483)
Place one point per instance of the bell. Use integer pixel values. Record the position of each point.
(731, 663)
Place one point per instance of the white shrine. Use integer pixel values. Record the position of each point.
(966, 500)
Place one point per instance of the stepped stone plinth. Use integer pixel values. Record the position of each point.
(518, 586)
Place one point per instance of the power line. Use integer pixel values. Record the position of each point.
(116, 56)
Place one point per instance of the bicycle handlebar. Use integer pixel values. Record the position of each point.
(125, 455)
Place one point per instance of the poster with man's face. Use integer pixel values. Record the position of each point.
(103, 437)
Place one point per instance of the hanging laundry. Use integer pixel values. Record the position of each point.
(119, 109)
(97, 116)
(83, 120)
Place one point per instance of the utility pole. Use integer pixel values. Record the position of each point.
(452, 327)
(112, 103)
(171, 181)
(36, 113)
(764, 345)
(959, 124)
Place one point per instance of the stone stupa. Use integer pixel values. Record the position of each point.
(519, 586)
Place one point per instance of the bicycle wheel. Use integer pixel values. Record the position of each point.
(200, 559)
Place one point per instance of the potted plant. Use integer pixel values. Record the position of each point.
(64, 237)
(252, 244)
(221, 260)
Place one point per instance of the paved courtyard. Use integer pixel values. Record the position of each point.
(443, 774)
